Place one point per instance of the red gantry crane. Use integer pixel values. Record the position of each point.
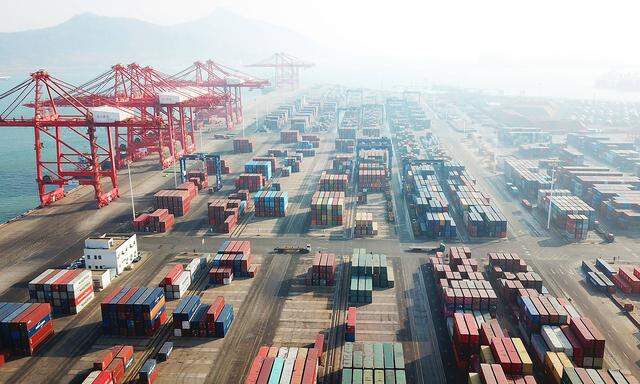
(150, 94)
(216, 77)
(81, 134)
(287, 69)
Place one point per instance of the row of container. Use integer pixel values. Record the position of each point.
(270, 203)
(24, 327)
(242, 146)
(176, 201)
(251, 182)
(323, 270)
(68, 291)
(133, 311)
(327, 208)
(286, 365)
(159, 220)
(333, 182)
(111, 365)
(370, 362)
(264, 168)
(223, 214)
(196, 319)
(364, 224)
(179, 278)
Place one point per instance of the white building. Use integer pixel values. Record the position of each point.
(114, 253)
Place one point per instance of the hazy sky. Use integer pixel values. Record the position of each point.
(561, 30)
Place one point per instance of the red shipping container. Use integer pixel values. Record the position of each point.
(254, 371)
(117, 370)
(104, 377)
(265, 371)
(104, 360)
(319, 345)
(310, 374)
(172, 275)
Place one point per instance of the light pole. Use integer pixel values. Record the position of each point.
(553, 174)
(175, 175)
(133, 209)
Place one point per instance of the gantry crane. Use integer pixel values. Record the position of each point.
(219, 78)
(81, 135)
(287, 69)
(148, 91)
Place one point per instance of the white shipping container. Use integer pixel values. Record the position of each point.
(549, 336)
(566, 345)
(177, 332)
(106, 114)
(101, 278)
(287, 371)
(282, 352)
(92, 376)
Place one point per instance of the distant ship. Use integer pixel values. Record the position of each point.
(3, 77)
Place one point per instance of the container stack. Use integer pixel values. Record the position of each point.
(176, 282)
(313, 139)
(263, 168)
(323, 270)
(293, 163)
(627, 279)
(481, 217)
(111, 365)
(192, 318)
(270, 203)
(368, 271)
(365, 226)
(327, 208)
(289, 137)
(250, 181)
(562, 207)
(242, 146)
(342, 163)
(371, 362)
(335, 183)
(224, 213)
(232, 259)
(350, 325)
(577, 227)
(571, 375)
(68, 291)
(490, 373)
(346, 146)
(226, 168)
(347, 133)
(133, 311)
(24, 327)
(159, 220)
(189, 187)
(285, 365)
(277, 152)
(177, 202)
(371, 179)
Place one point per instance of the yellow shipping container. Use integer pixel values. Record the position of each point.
(564, 359)
(474, 378)
(486, 356)
(554, 366)
(527, 364)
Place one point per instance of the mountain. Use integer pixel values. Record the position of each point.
(89, 42)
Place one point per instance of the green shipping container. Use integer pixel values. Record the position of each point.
(357, 376)
(388, 355)
(347, 376)
(389, 376)
(378, 356)
(347, 355)
(401, 378)
(398, 355)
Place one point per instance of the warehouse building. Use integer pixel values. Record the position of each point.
(113, 253)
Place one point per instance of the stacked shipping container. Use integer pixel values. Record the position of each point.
(177, 202)
(68, 291)
(24, 327)
(232, 259)
(371, 362)
(196, 319)
(327, 208)
(242, 146)
(270, 203)
(323, 270)
(133, 311)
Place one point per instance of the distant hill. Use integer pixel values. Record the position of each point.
(91, 43)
